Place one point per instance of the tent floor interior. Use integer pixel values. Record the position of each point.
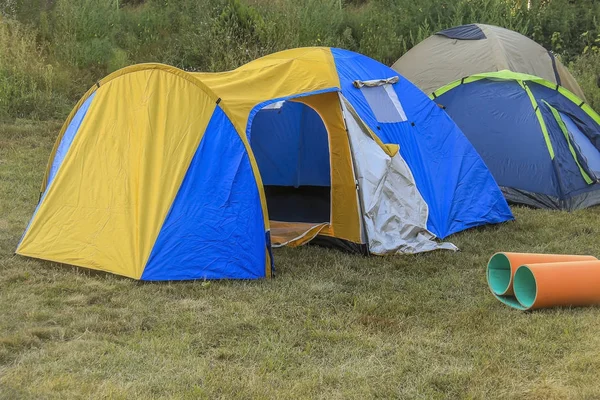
(297, 214)
(299, 204)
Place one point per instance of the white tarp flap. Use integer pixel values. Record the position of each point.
(394, 213)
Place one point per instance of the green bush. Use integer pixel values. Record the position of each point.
(586, 70)
(52, 51)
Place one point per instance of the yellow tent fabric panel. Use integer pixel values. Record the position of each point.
(104, 81)
(105, 207)
(345, 216)
(278, 75)
(294, 234)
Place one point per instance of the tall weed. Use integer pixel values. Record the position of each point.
(30, 85)
(586, 70)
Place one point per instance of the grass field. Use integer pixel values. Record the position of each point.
(330, 325)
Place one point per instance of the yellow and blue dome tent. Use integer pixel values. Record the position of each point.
(161, 174)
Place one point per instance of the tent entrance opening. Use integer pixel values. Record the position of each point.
(291, 146)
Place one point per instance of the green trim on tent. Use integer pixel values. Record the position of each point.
(538, 114)
(445, 89)
(522, 79)
(516, 76)
(452, 85)
(565, 132)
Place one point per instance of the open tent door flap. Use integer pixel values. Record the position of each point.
(294, 234)
(394, 212)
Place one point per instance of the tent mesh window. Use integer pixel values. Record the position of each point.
(384, 103)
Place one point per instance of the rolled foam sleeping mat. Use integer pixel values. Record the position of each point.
(502, 267)
(572, 283)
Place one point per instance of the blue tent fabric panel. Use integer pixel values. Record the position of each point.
(69, 135)
(214, 229)
(566, 169)
(499, 120)
(587, 149)
(453, 180)
(464, 32)
(291, 147)
(584, 122)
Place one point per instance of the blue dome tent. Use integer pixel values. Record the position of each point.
(540, 141)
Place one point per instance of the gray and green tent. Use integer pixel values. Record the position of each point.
(476, 48)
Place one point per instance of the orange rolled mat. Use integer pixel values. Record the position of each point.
(574, 283)
(502, 267)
